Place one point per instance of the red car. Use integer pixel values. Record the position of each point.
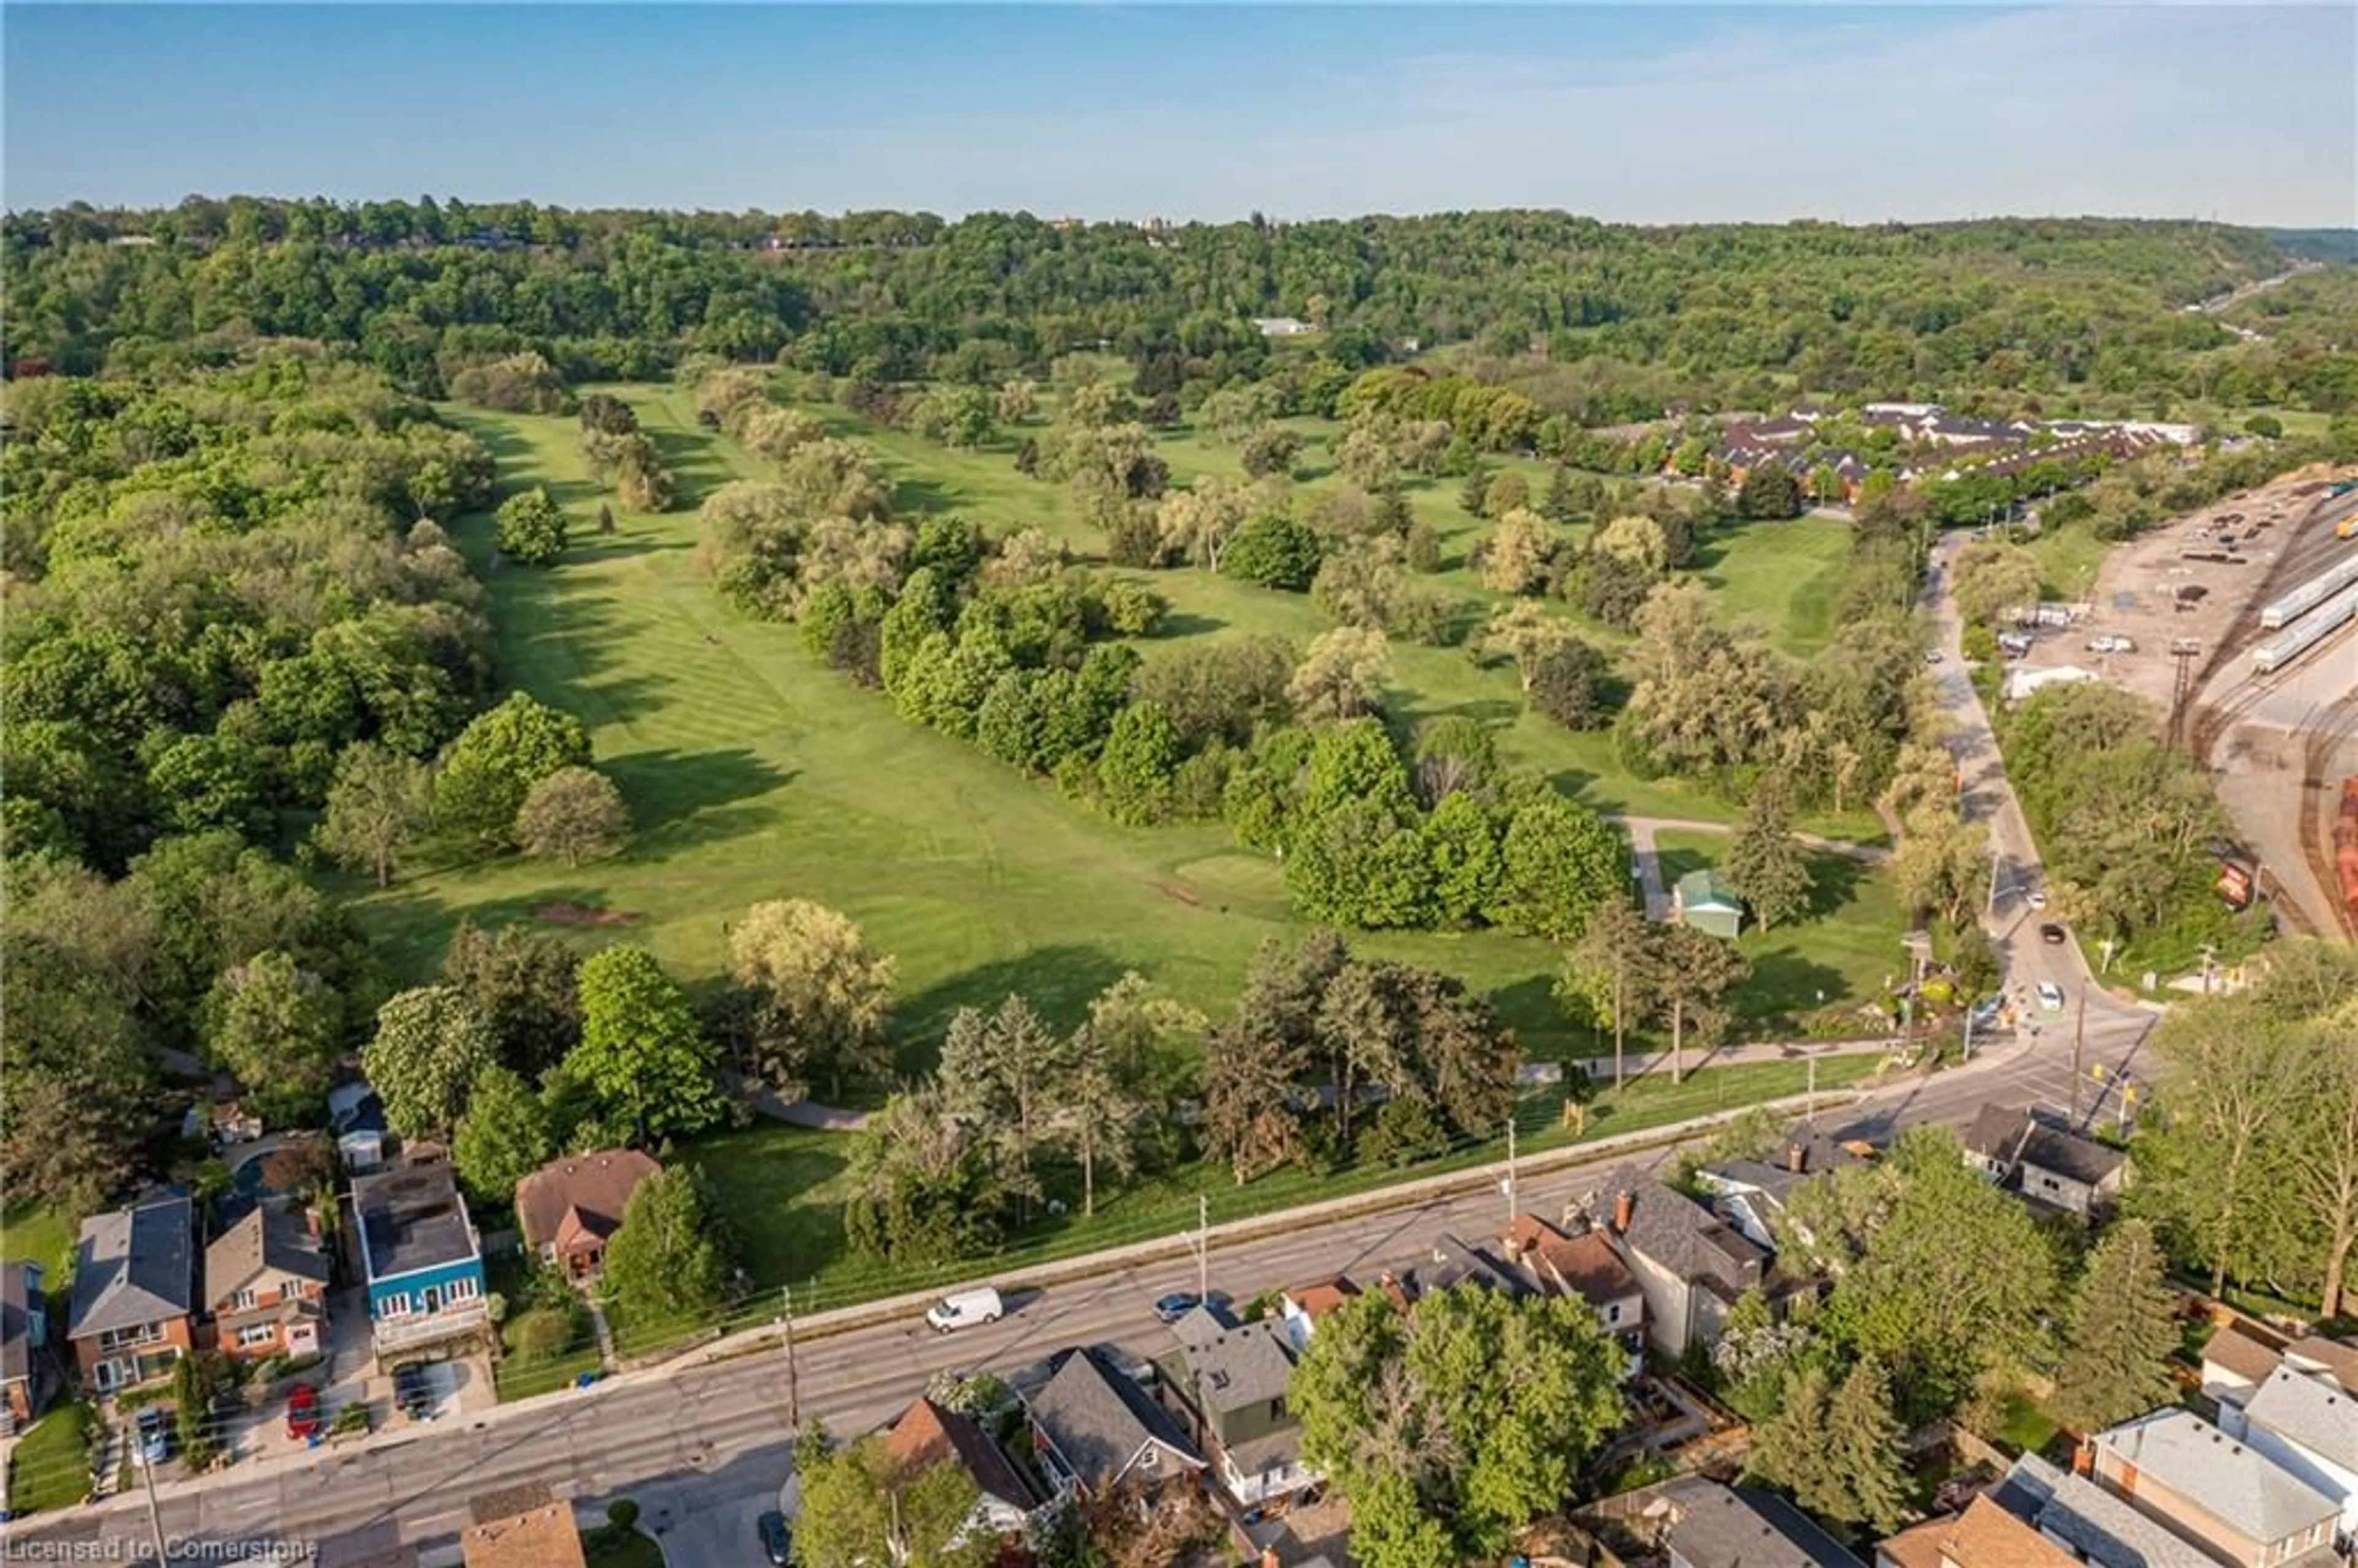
(303, 1422)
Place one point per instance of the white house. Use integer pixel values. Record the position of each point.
(2309, 1425)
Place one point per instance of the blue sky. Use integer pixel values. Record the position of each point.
(1652, 113)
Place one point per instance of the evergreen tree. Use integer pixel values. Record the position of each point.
(1475, 491)
(1863, 1444)
(1767, 863)
(1792, 1450)
(2120, 1332)
(1557, 506)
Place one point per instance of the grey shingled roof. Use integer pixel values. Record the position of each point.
(1746, 1528)
(1452, 1264)
(1098, 1420)
(2312, 1411)
(1243, 1367)
(267, 1240)
(134, 1266)
(2081, 1158)
(2107, 1531)
(1677, 1232)
(2211, 1470)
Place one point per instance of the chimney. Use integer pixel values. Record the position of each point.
(1796, 1157)
(1269, 1558)
(1624, 1204)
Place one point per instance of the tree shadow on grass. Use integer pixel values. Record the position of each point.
(1529, 1007)
(695, 461)
(1784, 984)
(1833, 883)
(680, 790)
(1187, 623)
(927, 496)
(1058, 981)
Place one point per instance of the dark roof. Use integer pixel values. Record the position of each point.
(1719, 1527)
(2067, 1155)
(1808, 1148)
(134, 1266)
(1676, 1232)
(1244, 1365)
(16, 1308)
(597, 1186)
(1454, 1263)
(926, 1435)
(411, 1219)
(1096, 1419)
(267, 1240)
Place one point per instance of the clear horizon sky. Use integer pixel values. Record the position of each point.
(1655, 113)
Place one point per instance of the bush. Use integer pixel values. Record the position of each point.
(622, 1513)
(1275, 552)
(1423, 548)
(2264, 425)
(353, 1417)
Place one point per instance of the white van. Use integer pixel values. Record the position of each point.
(965, 1309)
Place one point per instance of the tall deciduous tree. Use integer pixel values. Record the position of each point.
(524, 983)
(503, 1136)
(531, 527)
(430, 1044)
(1767, 863)
(641, 1051)
(863, 1508)
(1561, 862)
(2120, 1334)
(669, 1263)
(573, 814)
(1991, 577)
(820, 995)
(277, 1026)
(487, 771)
(378, 803)
(1487, 1406)
(1694, 972)
(1341, 677)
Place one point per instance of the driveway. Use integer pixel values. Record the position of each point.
(708, 1521)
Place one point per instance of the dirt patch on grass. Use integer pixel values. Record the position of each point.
(581, 914)
(1181, 891)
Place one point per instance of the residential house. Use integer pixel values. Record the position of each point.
(2236, 1362)
(1585, 1266)
(1690, 1264)
(2308, 1426)
(1983, 1536)
(569, 1207)
(926, 1434)
(2241, 1507)
(266, 1286)
(420, 1257)
(1282, 326)
(1093, 1427)
(24, 1368)
(1752, 1193)
(2045, 1163)
(133, 1293)
(1301, 1308)
(1452, 1263)
(356, 1116)
(1703, 1524)
(1709, 903)
(2315, 1353)
(521, 1527)
(2091, 1523)
(1229, 1381)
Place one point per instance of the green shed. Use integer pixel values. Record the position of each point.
(1704, 900)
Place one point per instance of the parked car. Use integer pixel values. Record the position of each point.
(1931, 655)
(1179, 1303)
(966, 1308)
(2052, 933)
(152, 1431)
(2050, 996)
(2038, 899)
(777, 1541)
(303, 1418)
(412, 1390)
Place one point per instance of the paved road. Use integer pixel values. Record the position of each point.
(703, 1446)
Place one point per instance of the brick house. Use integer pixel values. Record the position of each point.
(266, 1286)
(135, 1290)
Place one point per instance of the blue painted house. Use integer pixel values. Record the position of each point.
(422, 1260)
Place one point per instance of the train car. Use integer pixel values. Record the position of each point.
(2296, 602)
(2310, 630)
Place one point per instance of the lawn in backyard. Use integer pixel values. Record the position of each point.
(757, 774)
(1846, 945)
(785, 1186)
(38, 1233)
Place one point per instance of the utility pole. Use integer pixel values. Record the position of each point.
(1509, 1183)
(2079, 1039)
(155, 1515)
(1203, 1246)
(1810, 1110)
(794, 1364)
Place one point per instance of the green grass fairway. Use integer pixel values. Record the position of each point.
(1781, 578)
(1846, 947)
(760, 775)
